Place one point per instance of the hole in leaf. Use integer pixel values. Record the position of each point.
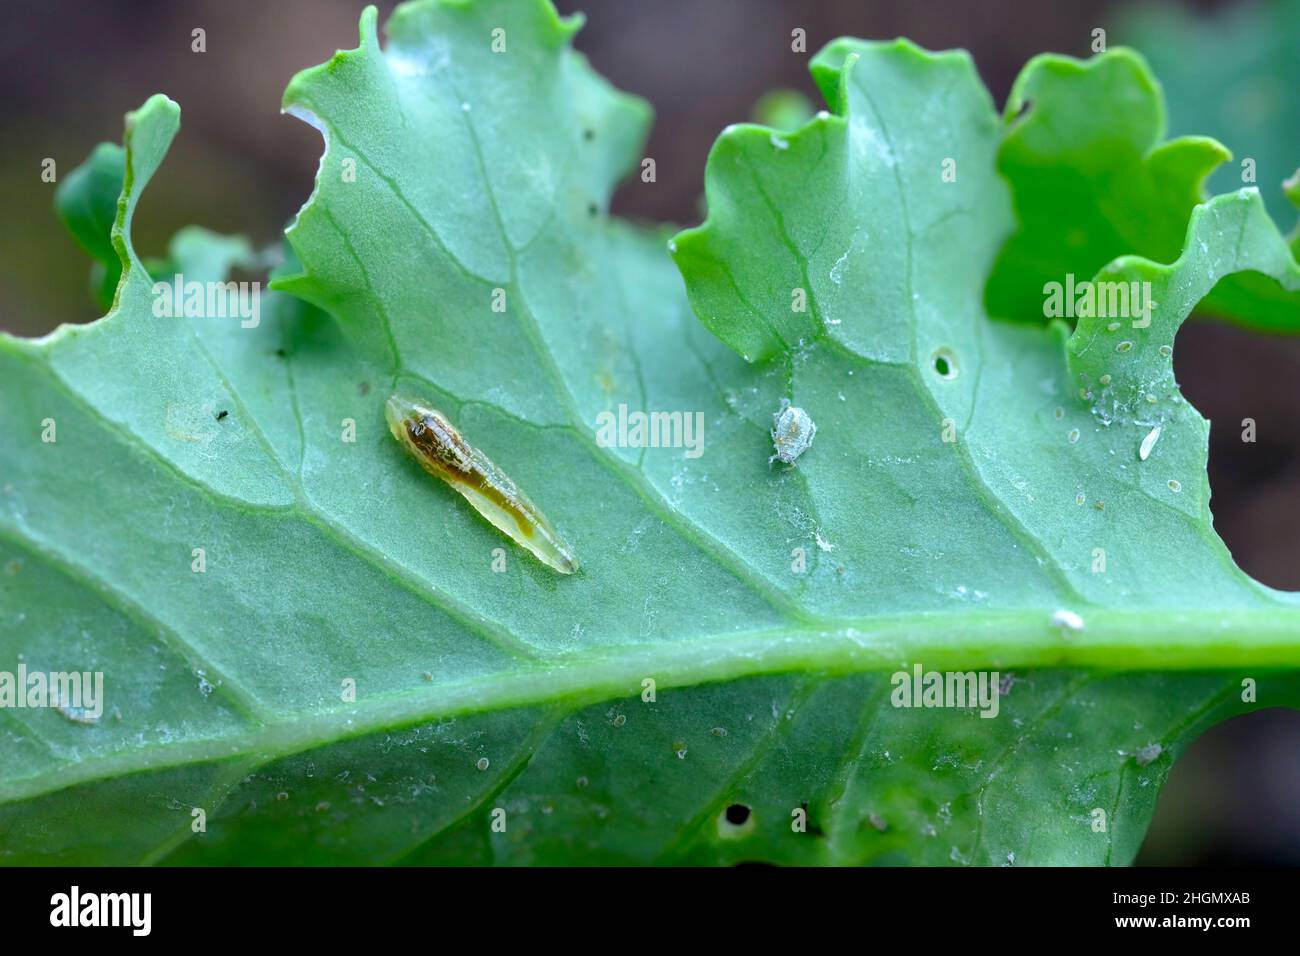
(736, 822)
(945, 363)
(737, 814)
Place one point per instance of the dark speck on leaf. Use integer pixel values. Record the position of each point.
(589, 134)
(592, 209)
(364, 388)
(222, 414)
(280, 352)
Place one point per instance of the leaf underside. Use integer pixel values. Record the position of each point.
(454, 178)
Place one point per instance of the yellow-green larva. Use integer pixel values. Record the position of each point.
(444, 453)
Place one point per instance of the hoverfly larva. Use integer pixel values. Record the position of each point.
(443, 452)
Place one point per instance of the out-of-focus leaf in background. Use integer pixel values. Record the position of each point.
(1096, 179)
(1233, 74)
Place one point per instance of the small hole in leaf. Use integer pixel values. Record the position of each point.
(736, 822)
(945, 364)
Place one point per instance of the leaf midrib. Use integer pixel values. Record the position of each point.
(1113, 640)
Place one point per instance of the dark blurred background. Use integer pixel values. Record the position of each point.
(69, 69)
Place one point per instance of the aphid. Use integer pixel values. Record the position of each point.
(443, 452)
(1148, 754)
(792, 433)
(1067, 621)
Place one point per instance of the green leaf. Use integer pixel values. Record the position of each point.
(783, 109)
(1048, 464)
(613, 715)
(86, 203)
(1087, 190)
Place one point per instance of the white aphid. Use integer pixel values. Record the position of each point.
(792, 433)
(1148, 754)
(1067, 620)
